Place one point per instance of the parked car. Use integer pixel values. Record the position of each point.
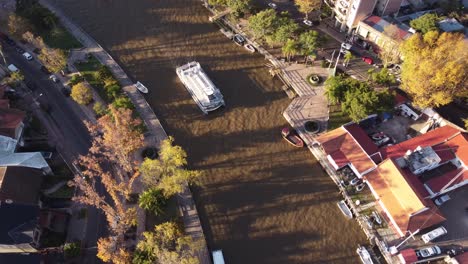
(10, 42)
(27, 56)
(307, 22)
(66, 91)
(272, 5)
(12, 68)
(346, 46)
(428, 252)
(53, 78)
(440, 231)
(441, 199)
(368, 60)
(19, 50)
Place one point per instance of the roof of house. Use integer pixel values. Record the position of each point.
(380, 24)
(451, 178)
(340, 143)
(20, 216)
(450, 25)
(362, 138)
(10, 119)
(431, 138)
(24, 159)
(462, 258)
(399, 197)
(20, 184)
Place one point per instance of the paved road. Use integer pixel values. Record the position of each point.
(64, 121)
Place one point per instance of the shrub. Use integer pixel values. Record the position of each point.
(123, 102)
(71, 250)
(153, 200)
(76, 79)
(112, 91)
(82, 94)
(99, 108)
(104, 73)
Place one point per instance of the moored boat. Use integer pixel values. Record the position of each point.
(291, 137)
(364, 255)
(239, 39)
(345, 209)
(250, 47)
(141, 87)
(201, 88)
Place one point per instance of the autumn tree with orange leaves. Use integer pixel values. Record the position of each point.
(110, 161)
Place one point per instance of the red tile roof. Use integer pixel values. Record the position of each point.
(339, 140)
(449, 179)
(409, 255)
(339, 158)
(463, 258)
(380, 24)
(9, 121)
(431, 138)
(361, 138)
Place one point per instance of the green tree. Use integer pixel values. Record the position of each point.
(153, 200)
(335, 88)
(103, 73)
(383, 77)
(435, 69)
(283, 29)
(290, 49)
(71, 250)
(99, 108)
(347, 57)
(15, 78)
(359, 103)
(113, 91)
(18, 25)
(167, 172)
(426, 23)
(82, 94)
(262, 23)
(53, 59)
(309, 41)
(239, 7)
(307, 6)
(123, 102)
(166, 244)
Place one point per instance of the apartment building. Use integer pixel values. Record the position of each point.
(348, 13)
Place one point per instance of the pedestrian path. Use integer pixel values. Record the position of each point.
(155, 132)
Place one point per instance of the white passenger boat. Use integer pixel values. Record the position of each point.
(364, 255)
(203, 91)
(345, 209)
(249, 47)
(141, 87)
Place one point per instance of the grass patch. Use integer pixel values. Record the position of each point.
(59, 38)
(65, 192)
(337, 117)
(89, 70)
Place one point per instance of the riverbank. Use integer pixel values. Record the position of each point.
(260, 200)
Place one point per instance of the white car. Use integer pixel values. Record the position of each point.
(346, 46)
(442, 199)
(440, 231)
(12, 68)
(428, 252)
(27, 56)
(307, 22)
(272, 5)
(53, 78)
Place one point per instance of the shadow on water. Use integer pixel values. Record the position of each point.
(260, 200)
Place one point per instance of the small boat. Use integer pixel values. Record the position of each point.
(141, 87)
(292, 138)
(345, 209)
(239, 39)
(364, 255)
(250, 47)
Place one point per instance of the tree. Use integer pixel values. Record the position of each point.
(335, 88)
(359, 103)
(123, 102)
(17, 25)
(309, 42)
(388, 51)
(35, 41)
(153, 200)
(71, 250)
(382, 77)
(347, 57)
(307, 6)
(15, 78)
(239, 7)
(283, 29)
(466, 123)
(166, 244)
(290, 49)
(104, 73)
(167, 172)
(99, 108)
(82, 94)
(109, 251)
(53, 59)
(113, 91)
(110, 162)
(426, 23)
(435, 69)
(262, 23)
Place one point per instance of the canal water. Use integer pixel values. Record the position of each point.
(260, 199)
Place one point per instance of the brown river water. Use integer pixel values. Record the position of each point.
(260, 199)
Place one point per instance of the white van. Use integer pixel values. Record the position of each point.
(440, 231)
(218, 257)
(12, 68)
(27, 56)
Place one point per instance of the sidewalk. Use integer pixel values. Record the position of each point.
(155, 132)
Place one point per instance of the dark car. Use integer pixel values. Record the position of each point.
(45, 70)
(10, 42)
(20, 50)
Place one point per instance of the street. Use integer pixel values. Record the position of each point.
(64, 122)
